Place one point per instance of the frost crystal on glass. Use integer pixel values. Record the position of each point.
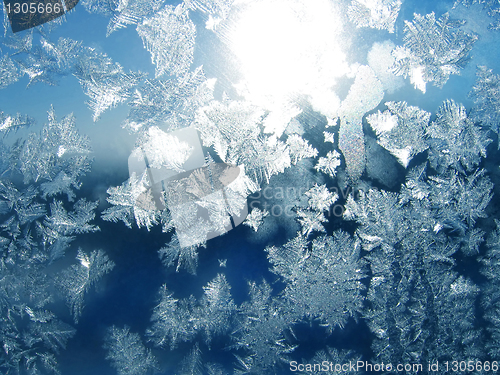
(79, 278)
(324, 282)
(377, 14)
(169, 36)
(163, 150)
(217, 10)
(486, 96)
(176, 321)
(455, 141)
(320, 199)
(264, 323)
(127, 353)
(255, 218)
(233, 129)
(8, 72)
(329, 163)
(184, 256)
(170, 104)
(58, 148)
(132, 202)
(299, 148)
(433, 50)
(9, 123)
(131, 12)
(105, 7)
(103, 81)
(401, 130)
(311, 221)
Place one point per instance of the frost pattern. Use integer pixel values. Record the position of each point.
(9, 123)
(264, 325)
(164, 150)
(171, 104)
(132, 203)
(31, 238)
(103, 81)
(433, 50)
(169, 36)
(184, 256)
(325, 281)
(486, 96)
(401, 130)
(8, 72)
(131, 12)
(377, 14)
(233, 128)
(255, 219)
(329, 163)
(176, 321)
(127, 353)
(455, 140)
(79, 278)
(217, 10)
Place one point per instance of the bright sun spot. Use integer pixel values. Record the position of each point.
(289, 48)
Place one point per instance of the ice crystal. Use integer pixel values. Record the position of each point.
(329, 163)
(131, 12)
(264, 324)
(381, 60)
(401, 130)
(76, 281)
(255, 218)
(169, 36)
(32, 348)
(325, 282)
(40, 67)
(103, 81)
(433, 50)
(399, 311)
(455, 141)
(192, 364)
(486, 96)
(127, 353)
(164, 150)
(299, 148)
(176, 321)
(217, 10)
(8, 72)
(377, 14)
(105, 7)
(171, 104)
(58, 148)
(9, 123)
(320, 199)
(132, 202)
(311, 221)
(233, 129)
(185, 256)
(22, 42)
(492, 6)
